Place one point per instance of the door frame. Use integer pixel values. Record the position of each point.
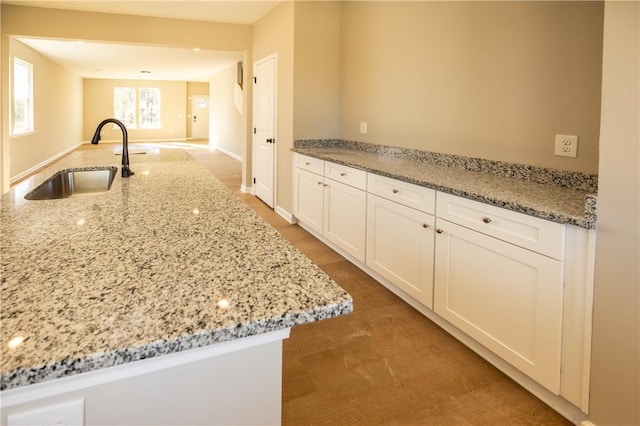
(273, 56)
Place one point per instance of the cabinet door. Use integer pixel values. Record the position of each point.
(345, 215)
(400, 246)
(308, 199)
(507, 298)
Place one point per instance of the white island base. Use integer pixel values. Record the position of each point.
(236, 382)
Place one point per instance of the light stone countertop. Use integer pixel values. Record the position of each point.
(548, 201)
(136, 272)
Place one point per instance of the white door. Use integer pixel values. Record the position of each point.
(264, 109)
(200, 117)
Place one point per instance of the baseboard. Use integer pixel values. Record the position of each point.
(45, 163)
(285, 214)
(246, 189)
(229, 153)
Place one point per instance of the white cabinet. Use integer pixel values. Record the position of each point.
(506, 297)
(514, 284)
(400, 242)
(308, 198)
(400, 246)
(335, 205)
(345, 212)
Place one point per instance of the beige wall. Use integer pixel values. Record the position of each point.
(194, 88)
(98, 105)
(226, 124)
(273, 34)
(493, 80)
(57, 112)
(316, 103)
(615, 369)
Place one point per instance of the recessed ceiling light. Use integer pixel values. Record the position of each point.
(196, 49)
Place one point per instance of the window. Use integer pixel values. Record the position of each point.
(124, 105)
(149, 108)
(146, 116)
(22, 94)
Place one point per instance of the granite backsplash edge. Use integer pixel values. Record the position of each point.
(565, 178)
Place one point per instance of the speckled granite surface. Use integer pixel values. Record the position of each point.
(559, 196)
(136, 272)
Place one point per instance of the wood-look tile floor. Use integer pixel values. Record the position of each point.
(386, 363)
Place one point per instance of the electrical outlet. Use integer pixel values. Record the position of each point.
(566, 145)
(363, 127)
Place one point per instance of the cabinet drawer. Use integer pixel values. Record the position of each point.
(408, 194)
(539, 235)
(347, 175)
(311, 164)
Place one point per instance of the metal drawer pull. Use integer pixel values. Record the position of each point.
(424, 225)
(395, 191)
(439, 231)
(307, 163)
(319, 183)
(486, 219)
(343, 174)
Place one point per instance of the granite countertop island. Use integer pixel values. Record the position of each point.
(165, 261)
(556, 195)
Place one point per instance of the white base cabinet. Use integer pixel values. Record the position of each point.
(345, 212)
(507, 298)
(309, 198)
(400, 246)
(330, 200)
(515, 288)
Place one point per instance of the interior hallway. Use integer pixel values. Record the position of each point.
(385, 363)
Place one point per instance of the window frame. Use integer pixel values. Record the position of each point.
(28, 101)
(120, 113)
(143, 112)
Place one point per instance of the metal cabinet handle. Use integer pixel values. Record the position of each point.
(307, 163)
(319, 183)
(439, 231)
(395, 191)
(486, 219)
(343, 174)
(326, 184)
(425, 225)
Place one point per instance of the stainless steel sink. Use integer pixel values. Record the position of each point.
(74, 182)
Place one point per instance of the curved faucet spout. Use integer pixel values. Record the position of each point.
(126, 171)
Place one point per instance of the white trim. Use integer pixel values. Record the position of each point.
(285, 214)
(246, 189)
(588, 325)
(45, 163)
(229, 153)
(23, 394)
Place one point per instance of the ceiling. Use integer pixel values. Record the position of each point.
(125, 61)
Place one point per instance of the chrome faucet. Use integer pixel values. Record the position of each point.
(126, 171)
